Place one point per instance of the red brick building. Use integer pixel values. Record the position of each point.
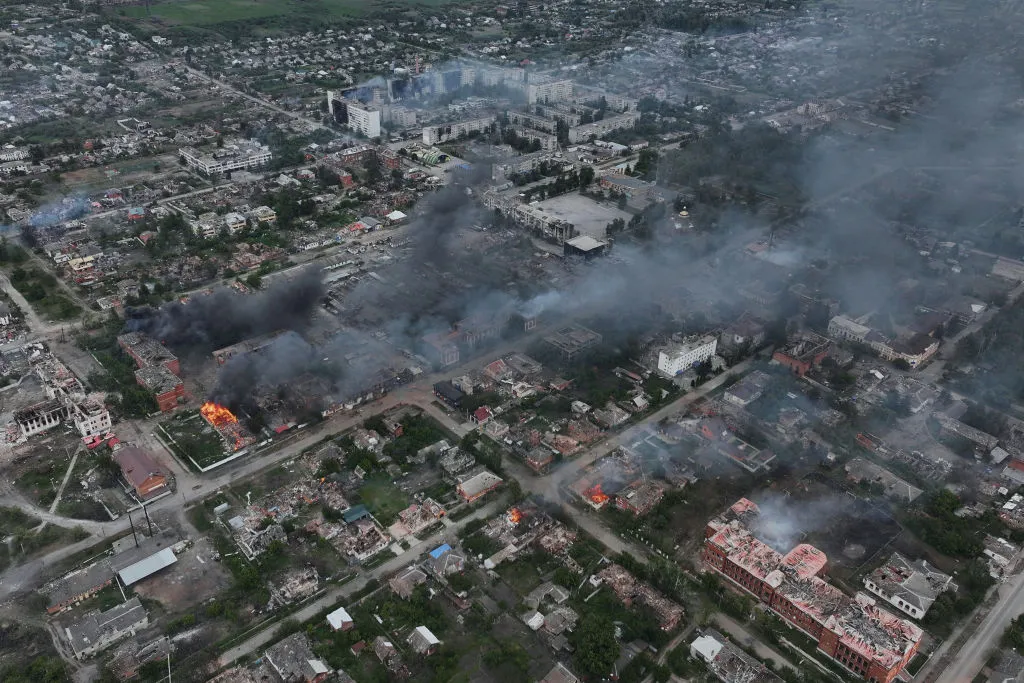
(146, 351)
(141, 471)
(866, 640)
(803, 354)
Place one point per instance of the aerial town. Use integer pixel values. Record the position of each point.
(528, 342)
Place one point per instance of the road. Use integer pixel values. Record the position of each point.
(333, 596)
(975, 652)
(745, 637)
(261, 102)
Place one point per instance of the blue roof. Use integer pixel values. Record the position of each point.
(355, 513)
(440, 550)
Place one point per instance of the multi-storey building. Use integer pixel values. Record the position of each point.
(233, 156)
(866, 640)
(551, 91)
(364, 118)
(681, 357)
(444, 132)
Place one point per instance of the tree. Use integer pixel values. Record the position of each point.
(596, 647)
(586, 176)
(623, 200)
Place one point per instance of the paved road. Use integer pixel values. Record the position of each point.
(335, 595)
(975, 652)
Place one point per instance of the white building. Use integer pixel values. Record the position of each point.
(603, 127)
(444, 132)
(841, 327)
(364, 118)
(233, 156)
(910, 587)
(681, 357)
(12, 153)
(552, 91)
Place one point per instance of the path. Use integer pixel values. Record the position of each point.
(746, 638)
(67, 475)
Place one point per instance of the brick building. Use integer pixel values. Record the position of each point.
(866, 640)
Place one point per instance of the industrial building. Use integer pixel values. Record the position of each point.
(99, 630)
(910, 587)
(681, 356)
(233, 156)
(866, 640)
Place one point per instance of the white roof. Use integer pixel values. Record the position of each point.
(145, 567)
(707, 647)
(317, 666)
(425, 633)
(338, 617)
(396, 216)
(585, 243)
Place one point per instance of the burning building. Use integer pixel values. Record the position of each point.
(866, 640)
(224, 421)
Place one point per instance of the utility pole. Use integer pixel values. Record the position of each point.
(133, 529)
(148, 522)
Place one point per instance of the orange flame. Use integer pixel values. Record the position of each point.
(217, 415)
(515, 516)
(597, 495)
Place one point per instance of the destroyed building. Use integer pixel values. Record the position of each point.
(867, 641)
(293, 660)
(99, 630)
(158, 371)
(630, 590)
(911, 587)
(66, 400)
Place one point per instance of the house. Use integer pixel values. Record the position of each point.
(293, 660)
(141, 471)
(404, 582)
(911, 587)
(99, 630)
(447, 392)
(340, 620)
(422, 641)
(482, 415)
(473, 486)
(444, 561)
(560, 674)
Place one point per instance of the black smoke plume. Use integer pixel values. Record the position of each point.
(222, 318)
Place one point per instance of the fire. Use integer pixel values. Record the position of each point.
(515, 516)
(597, 495)
(217, 415)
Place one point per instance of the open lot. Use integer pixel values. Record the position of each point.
(192, 440)
(196, 576)
(589, 217)
(119, 173)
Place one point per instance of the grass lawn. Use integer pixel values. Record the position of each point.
(383, 498)
(191, 438)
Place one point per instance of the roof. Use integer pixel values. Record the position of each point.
(586, 243)
(440, 550)
(157, 378)
(106, 626)
(136, 465)
(916, 583)
(355, 513)
(560, 674)
(479, 483)
(147, 566)
(338, 618)
(707, 647)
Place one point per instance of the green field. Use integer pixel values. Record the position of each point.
(384, 499)
(210, 12)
